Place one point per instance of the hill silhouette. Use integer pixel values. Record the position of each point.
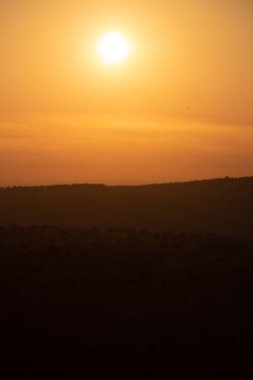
(97, 278)
(222, 206)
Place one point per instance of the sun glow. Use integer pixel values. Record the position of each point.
(113, 47)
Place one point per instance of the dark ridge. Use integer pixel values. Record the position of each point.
(97, 185)
(222, 206)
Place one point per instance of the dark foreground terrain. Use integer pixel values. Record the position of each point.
(222, 206)
(89, 301)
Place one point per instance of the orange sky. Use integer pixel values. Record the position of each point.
(179, 108)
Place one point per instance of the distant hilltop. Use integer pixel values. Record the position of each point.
(222, 206)
(173, 183)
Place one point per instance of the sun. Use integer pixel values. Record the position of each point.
(113, 47)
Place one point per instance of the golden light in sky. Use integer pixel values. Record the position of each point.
(113, 47)
(125, 92)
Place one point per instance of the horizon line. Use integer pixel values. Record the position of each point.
(97, 184)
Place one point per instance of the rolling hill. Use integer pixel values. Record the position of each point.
(223, 206)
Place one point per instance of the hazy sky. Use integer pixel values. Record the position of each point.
(179, 108)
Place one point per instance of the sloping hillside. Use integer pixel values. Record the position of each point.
(223, 206)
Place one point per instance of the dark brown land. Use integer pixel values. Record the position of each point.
(223, 206)
(155, 279)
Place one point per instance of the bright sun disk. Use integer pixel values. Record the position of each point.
(113, 47)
